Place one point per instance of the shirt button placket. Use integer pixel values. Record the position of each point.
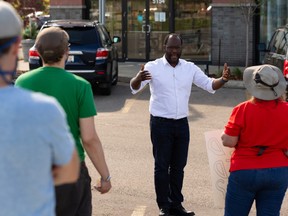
(176, 93)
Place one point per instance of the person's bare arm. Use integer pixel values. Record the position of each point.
(141, 76)
(94, 149)
(67, 173)
(218, 83)
(229, 141)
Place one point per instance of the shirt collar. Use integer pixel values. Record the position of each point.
(165, 62)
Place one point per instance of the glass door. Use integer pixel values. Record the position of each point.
(193, 23)
(147, 23)
(137, 30)
(159, 25)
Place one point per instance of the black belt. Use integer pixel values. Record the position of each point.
(168, 119)
(261, 149)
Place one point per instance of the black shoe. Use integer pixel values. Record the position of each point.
(164, 212)
(180, 211)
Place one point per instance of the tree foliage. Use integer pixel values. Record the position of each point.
(249, 9)
(25, 7)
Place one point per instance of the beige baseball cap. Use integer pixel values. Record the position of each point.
(10, 22)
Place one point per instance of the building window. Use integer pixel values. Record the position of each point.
(113, 18)
(193, 23)
(274, 13)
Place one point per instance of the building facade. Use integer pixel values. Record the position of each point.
(213, 31)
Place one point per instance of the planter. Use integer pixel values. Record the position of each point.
(26, 45)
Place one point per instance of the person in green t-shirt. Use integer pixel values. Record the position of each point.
(76, 97)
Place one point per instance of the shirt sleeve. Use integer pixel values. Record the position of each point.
(60, 138)
(86, 102)
(235, 122)
(143, 83)
(202, 80)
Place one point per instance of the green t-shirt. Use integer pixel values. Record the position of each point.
(72, 92)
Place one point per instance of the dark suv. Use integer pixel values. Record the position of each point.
(92, 54)
(277, 52)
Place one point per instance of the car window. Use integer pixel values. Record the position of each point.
(283, 37)
(278, 42)
(104, 35)
(82, 35)
(106, 32)
(272, 45)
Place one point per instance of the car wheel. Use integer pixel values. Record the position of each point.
(106, 91)
(115, 69)
(105, 88)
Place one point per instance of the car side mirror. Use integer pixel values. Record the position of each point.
(262, 47)
(116, 39)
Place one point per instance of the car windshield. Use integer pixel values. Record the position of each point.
(82, 35)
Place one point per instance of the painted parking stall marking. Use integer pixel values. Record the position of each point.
(139, 211)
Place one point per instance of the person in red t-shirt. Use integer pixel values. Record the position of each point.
(257, 128)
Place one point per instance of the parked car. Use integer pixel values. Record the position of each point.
(92, 54)
(277, 52)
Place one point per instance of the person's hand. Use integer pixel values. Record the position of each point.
(143, 74)
(103, 186)
(226, 73)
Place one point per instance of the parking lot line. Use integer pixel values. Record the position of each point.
(129, 103)
(139, 211)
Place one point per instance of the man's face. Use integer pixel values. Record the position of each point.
(173, 50)
(8, 63)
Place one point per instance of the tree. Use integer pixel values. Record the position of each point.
(249, 10)
(25, 7)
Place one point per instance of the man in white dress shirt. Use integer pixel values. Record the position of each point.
(170, 79)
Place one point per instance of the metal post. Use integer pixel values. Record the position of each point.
(219, 55)
(102, 11)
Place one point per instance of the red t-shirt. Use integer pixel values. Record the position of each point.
(259, 123)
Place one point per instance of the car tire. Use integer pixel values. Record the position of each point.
(106, 91)
(105, 88)
(116, 71)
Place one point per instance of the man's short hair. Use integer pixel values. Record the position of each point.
(51, 44)
(172, 35)
(10, 26)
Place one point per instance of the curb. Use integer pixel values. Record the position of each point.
(124, 79)
(236, 84)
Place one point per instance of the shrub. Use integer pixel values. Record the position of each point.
(237, 73)
(30, 31)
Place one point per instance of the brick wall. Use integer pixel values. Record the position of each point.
(67, 9)
(228, 24)
(231, 1)
(66, 2)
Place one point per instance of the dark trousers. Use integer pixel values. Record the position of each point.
(75, 199)
(170, 139)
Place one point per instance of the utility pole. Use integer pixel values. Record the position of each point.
(102, 11)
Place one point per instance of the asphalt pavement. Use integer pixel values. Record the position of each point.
(125, 159)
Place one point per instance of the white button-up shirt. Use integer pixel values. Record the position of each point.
(170, 87)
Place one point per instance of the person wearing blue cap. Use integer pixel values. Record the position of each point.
(37, 149)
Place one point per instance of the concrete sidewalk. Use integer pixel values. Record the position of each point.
(127, 70)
